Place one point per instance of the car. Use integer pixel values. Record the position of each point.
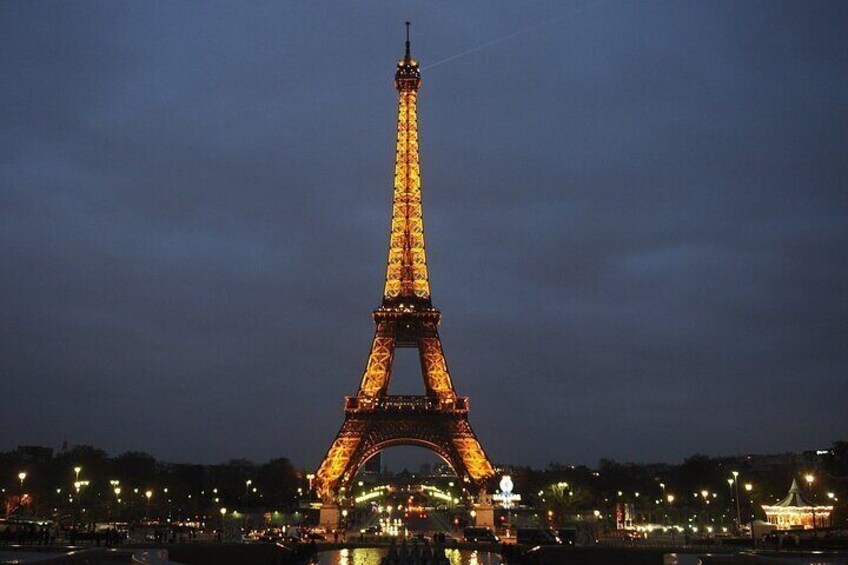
(536, 536)
(483, 535)
(567, 535)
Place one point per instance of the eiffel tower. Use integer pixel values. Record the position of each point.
(374, 420)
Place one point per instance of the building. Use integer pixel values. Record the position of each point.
(797, 511)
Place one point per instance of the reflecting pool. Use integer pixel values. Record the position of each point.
(372, 556)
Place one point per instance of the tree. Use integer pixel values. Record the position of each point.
(278, 480)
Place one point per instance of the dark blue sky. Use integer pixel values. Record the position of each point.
(635, 213)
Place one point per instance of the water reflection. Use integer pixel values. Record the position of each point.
(372, 556)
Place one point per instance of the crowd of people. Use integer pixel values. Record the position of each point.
(48, 533)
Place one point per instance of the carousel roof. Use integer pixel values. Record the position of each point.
(795, 499)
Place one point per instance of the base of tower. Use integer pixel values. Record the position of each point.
(484, 516)
(328, 518)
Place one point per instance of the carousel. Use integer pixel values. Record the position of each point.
(797, 511)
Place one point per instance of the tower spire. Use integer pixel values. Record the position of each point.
(408, 56)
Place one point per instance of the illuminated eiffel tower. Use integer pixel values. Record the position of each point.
(374, 420)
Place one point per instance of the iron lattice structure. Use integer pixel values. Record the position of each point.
(374, 420)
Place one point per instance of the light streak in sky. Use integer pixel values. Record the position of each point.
(514, 34)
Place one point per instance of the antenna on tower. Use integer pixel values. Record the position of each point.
(408, 56)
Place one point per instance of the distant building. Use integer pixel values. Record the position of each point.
(797, 511)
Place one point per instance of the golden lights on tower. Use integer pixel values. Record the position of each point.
(406, 274)
(375, 420)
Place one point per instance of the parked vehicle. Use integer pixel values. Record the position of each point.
(567, 535)
(536, 536)
(483, 535)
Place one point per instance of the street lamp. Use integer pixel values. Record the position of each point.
(738, 511)
(78, 486)
(77, 470)
(730, 487)
(748, 488)
(148, 494)
(705, 494)
(115, 488)
(810, 479)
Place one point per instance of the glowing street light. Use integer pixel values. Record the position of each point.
(734, 482)
(810, 478)
(77, 470)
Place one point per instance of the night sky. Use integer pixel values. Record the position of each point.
(636, 217)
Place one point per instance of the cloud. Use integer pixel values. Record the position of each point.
(635, 223)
